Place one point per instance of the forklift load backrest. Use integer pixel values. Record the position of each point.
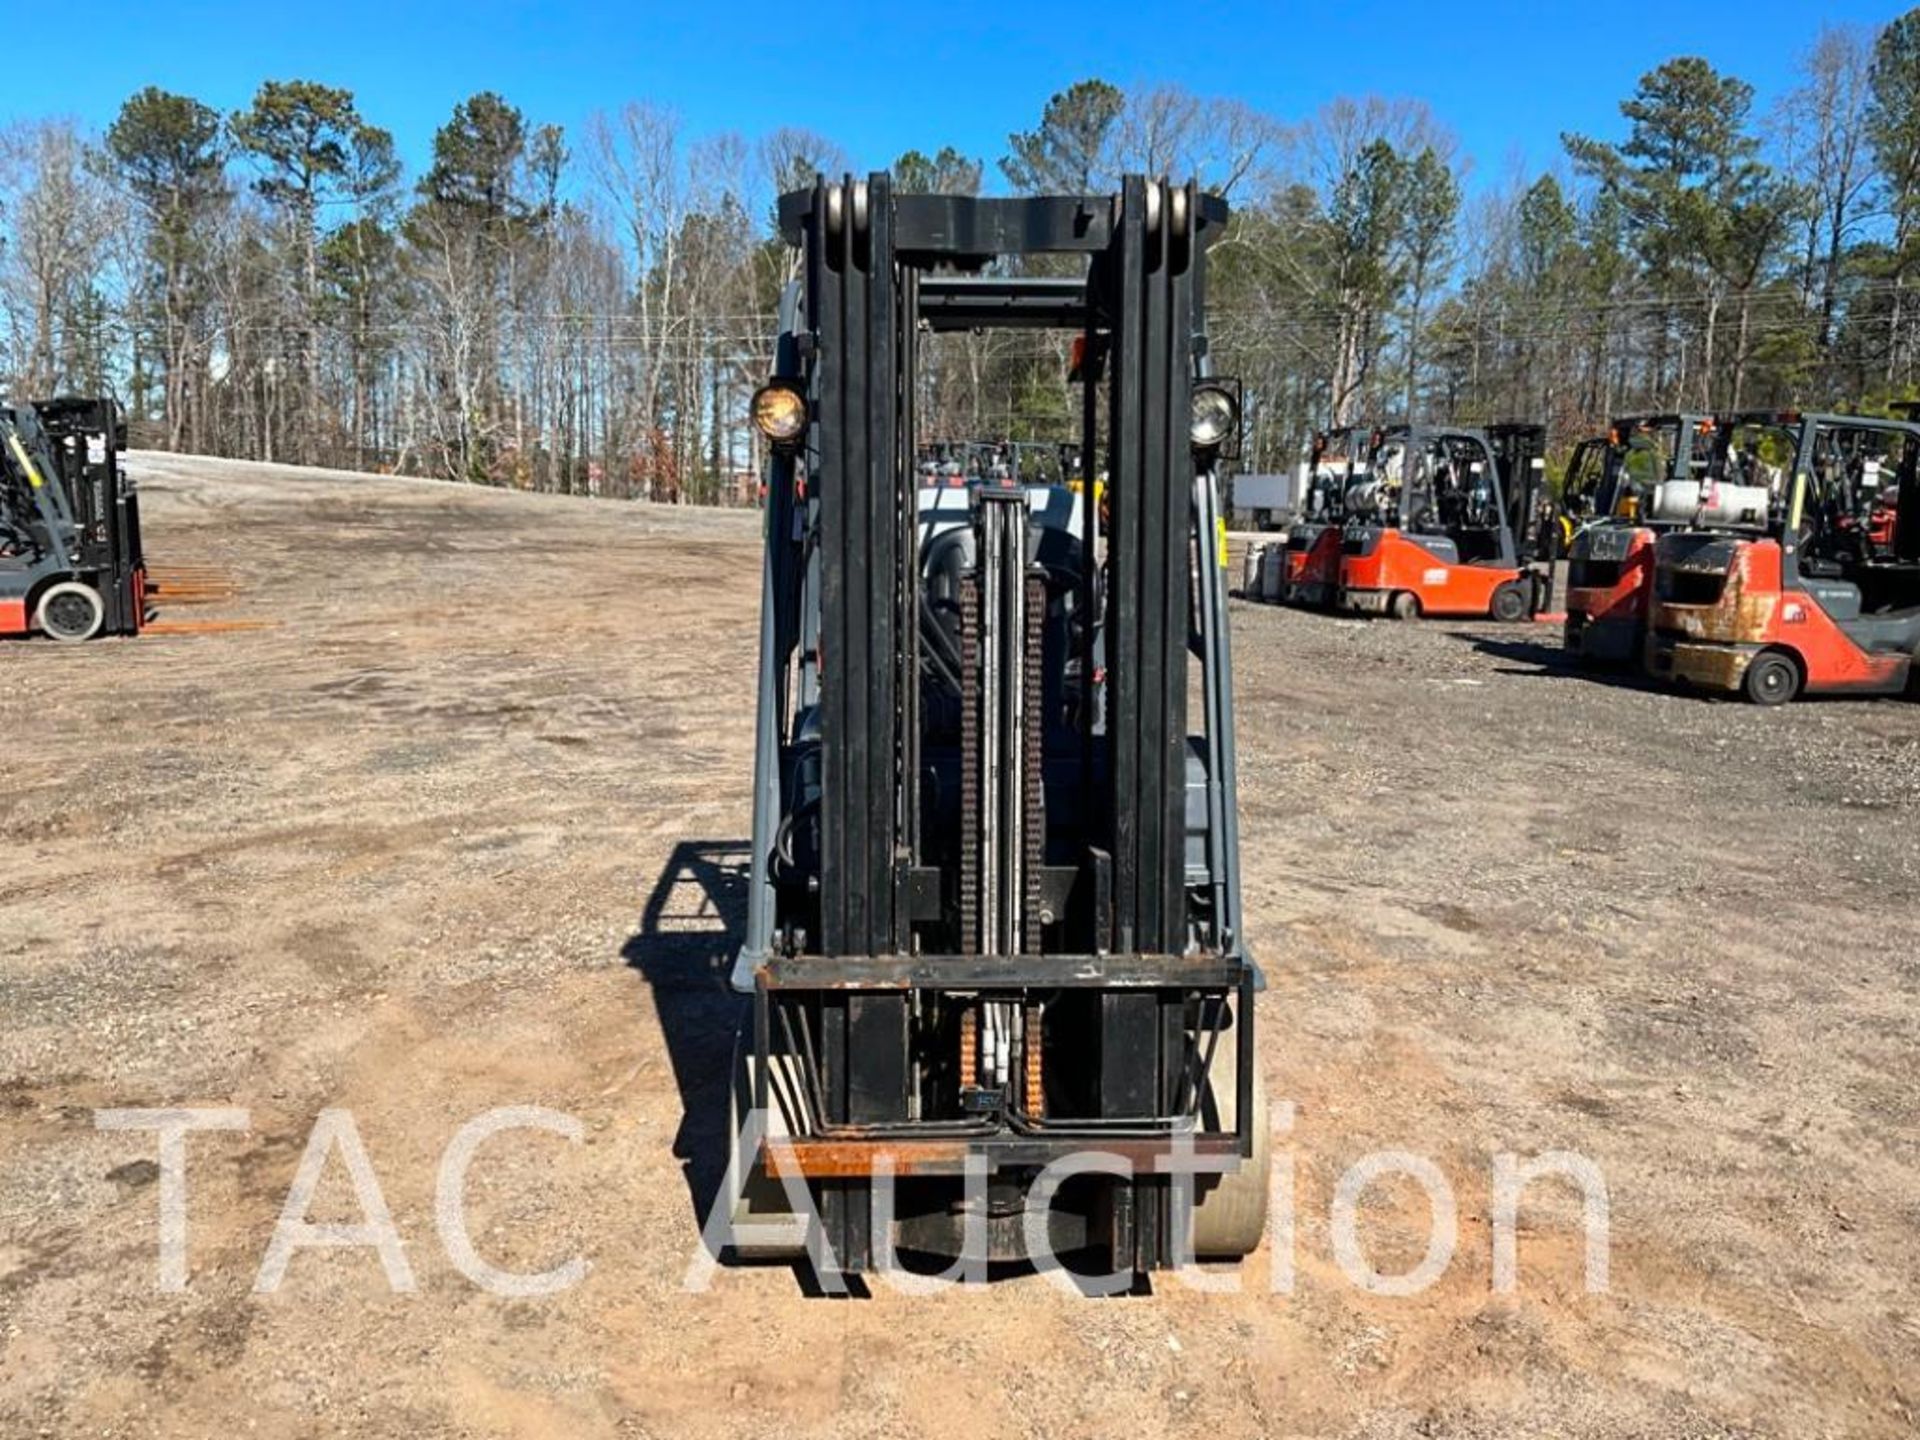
(1587, 483)
(1520, 459)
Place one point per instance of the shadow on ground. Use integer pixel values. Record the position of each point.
(1553, 662)
(689, 931)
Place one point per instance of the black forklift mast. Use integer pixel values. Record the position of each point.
(979, 812)
(870, 282)
(86, 436)
(1520, 460)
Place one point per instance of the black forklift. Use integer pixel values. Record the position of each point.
(1002, 1000)
(71, 559)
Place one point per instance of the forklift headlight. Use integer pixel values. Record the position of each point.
(1216, 414)
(780, 413)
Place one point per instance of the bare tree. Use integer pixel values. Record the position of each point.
(58, 217)
(1827, 116)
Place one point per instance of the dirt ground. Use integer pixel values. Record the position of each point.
(464, 830)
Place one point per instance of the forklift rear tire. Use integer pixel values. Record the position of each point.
(1405, 605)
(1772, 678)
(1230, 1219)
(70, 611)
(1510, 604)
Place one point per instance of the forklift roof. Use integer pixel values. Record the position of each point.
(1821, 417)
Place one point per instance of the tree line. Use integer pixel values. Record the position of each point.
(587, 313)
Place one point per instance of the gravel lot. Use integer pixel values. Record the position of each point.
(463, 829)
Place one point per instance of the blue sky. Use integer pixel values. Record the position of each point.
(1507, 78)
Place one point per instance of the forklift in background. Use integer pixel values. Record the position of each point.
(1310, 562)
(71, 562)
(994, 920)
(1611, 481)
(1585, 487)
(1437, 525)
(1794, 566)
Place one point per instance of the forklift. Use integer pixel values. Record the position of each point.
(1437, 525)
(1336, 461)
(1794, 566)
(1610, 482)
(994, 917)
(71, 563)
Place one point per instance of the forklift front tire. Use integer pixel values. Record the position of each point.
(1510, 603)
(70, 611)
(1405, 605)
(1230, 1218)
(1772, 678)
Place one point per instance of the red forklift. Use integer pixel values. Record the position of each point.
(71, 561)
(1335, 461)
(1610, 481)
(1436, 526)
(1794, 566)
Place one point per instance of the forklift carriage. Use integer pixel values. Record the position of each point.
(994, 919)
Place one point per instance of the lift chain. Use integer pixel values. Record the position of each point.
(1035, 1096)
(969, 765)
(1033, 809)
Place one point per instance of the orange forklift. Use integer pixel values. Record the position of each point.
(1311, 576)
(1436, 526)
(1610, 481)
(1795, 565)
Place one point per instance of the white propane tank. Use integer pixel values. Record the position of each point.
(1363, 497)
(1273, 570)
(1250, 571)
(1687, 502)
